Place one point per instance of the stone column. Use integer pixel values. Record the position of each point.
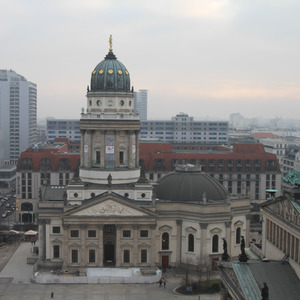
(100, 227)
(102, 153)
(65, 250)
(130, 149)
(83, 248)
(153, 250)
(247, 237)
(179, 243)
(137, 148)
(117, 148)
(89, 162)
(135, 245)
(82, 132)
(203, 251)
(228, 237)
(42, 239)
(118, 246)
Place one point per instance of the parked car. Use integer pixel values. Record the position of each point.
(7, 205)
(4, 215)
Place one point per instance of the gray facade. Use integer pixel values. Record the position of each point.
(18, 115)
(183, 128)
(63, 128)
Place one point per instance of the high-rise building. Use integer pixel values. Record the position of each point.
(18, 115)
(140, 103)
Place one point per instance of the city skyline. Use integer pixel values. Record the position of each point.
(204, 58)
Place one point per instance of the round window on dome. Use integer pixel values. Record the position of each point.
(94, 72)
(120, 72)
(122, 102)
(101, 71)
(126, 72)
(110, 71)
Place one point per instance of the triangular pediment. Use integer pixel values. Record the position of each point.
(92, 245)
(144, 245)
(108, 205)
(126, 245)
(216, 230)
(191, 229)
(165, 228)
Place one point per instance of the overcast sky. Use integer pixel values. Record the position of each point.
(206, 58)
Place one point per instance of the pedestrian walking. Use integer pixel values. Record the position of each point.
(160, 282)
(164, 284)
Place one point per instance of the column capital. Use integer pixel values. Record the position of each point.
(82, 226)
(203, 225)
(179, 222)
(248, 217)
(44, 221)
(153, 226)
(100, 226)
(228, 224)
(136, 226)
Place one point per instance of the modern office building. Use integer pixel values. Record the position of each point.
(184, 129)
(141, 104)
(18, 115)
(63, 128)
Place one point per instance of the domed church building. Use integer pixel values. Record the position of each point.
(110, 215)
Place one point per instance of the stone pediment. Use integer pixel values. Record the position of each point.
(191, 229)
(144, 245)
(238, 223)
(74, 245)
(126, 245)
(165, 228)
(215, 230)
(109, 208)
(92, 245)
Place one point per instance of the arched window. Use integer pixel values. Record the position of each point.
(165, 241)
(215, 243)
(26, 206)
(191, 243)
(238, 235)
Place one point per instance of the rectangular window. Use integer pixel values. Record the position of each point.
(126, 233)
(74, 256)
(92, 256)
(56, 251)
(98, 155)
(92, 233)
(74, 233)
(121, 157)
(126, 256)
(143, 256)
(55, 229)
(144, 233)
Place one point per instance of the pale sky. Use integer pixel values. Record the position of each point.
(206, 58)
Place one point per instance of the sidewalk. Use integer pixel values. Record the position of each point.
(16, 275)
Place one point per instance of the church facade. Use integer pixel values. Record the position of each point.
(111, 215)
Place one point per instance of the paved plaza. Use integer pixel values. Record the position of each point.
(16, 274)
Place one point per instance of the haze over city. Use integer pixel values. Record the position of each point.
(204, 58)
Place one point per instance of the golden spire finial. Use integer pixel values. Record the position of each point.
(110, 43)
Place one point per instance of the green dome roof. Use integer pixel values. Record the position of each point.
(110, 75)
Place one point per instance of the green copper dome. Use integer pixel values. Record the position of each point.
(110, 75)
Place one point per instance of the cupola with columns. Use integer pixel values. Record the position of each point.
(109, 127)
